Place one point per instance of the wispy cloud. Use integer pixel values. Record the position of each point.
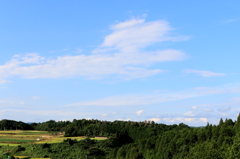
(194, 107)
(138, 99)
(139, 112)
(208, 110)
(230, 20)
(11, 103)
(35, 97)
(155, 119)
(189, 114)
(121, 55)
(4, 81)
(204, 73)
(134, 34)
(48, 113)
(105, 114)
(180, 120)
(153, 98)
(225, 108)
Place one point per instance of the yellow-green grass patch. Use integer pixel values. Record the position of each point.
(98, 138)
(61, 139)
(19, 136)
(16, 137)
(22, 157)
(6, 144)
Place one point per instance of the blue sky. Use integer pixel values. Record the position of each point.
(169, 62)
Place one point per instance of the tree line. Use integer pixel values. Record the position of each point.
(140, 140)
(6, 124)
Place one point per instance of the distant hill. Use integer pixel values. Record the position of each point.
(6, 124)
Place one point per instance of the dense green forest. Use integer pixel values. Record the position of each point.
(136, 140)
(14, 125)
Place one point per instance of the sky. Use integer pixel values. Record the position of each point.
(165, 61)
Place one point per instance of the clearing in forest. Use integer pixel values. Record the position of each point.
(17, 137)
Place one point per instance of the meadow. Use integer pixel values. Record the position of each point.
(17, 137)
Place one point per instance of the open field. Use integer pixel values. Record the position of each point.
(17, 137)
(14, 138)
(26, 157)
(11, 140)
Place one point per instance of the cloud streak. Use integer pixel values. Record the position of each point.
(204, 73)
(180, 120)
(146, 99)
(134, 34)
(121, 55)
(139, 112)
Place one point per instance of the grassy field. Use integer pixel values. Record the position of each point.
(14, 138)
(26, 157)
(17, 137)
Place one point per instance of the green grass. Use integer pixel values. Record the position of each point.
(16, 137)
(97, 139)
(7, 140)
(60, 139)
(4, 144)
(25, 132)
(34, 133)
(23, 157)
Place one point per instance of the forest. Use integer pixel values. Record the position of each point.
(133, 140)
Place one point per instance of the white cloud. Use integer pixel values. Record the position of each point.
(93, 66)
(184, 120)
(194, 107)
(35, 97)
(4, 81)
(121, 55)
(134, 34)
(11, 103)
(47, 113)
(22, 102)
(136, 99)
(205, 120)
(139, 112)
(208, 110)
(204, 73)
(189, 113)
(127, 24)
(2, 112)
(104, 114)
(151, 98)
(63, 120)
(230, 20)
(178, 119)
(155, 119)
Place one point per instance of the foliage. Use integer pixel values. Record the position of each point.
(137, 140)
(14, 125)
